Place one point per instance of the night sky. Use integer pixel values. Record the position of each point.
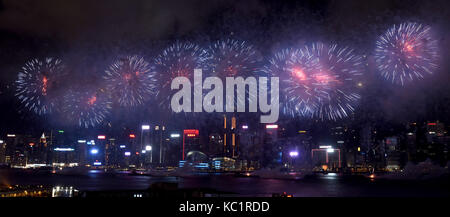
(88, 35)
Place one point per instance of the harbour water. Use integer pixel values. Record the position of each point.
(319, 185)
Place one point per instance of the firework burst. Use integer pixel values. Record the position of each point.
(406, 52)
(87, 108)
(130, 80)
(318, 80)
(38, 84)
(290, 65)
(230, 58)
(180, 59)
(233, 58)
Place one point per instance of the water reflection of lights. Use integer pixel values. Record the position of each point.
(330, 176)
(24, 191)
(61, 191)
(94, 171)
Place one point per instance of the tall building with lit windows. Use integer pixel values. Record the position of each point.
(18, 148)
(273, 150)
(112, 155)
(2, 152)
(191, 144)
(157, 141)
(173, 147)
(230, 137)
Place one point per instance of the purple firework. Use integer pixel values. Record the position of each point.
(38, 84)
(230, 58)
(288, 64)
(319, 80)
(130, 80)
(180, 59)
(87, 108)
(406, 52)
(233, 58)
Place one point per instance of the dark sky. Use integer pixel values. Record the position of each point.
(88, 34)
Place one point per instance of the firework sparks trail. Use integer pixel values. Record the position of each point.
(179, 59)
(319, 80)
(406, 52)
(87, 108)
(233, 58)
(38, 83)
(131, 81)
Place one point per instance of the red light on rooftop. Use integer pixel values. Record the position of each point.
(192, 131)
(431, 124)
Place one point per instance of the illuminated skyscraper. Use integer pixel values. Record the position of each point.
(230, 139)
(191, 143)
(2, 152)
